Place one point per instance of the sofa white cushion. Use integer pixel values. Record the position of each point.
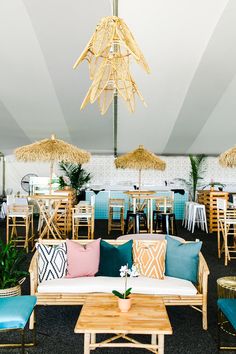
(139, 285)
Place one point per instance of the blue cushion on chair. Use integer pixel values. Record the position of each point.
(15, 311)
(228, 307)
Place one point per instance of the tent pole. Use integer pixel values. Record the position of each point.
(3, 175)
(115, 99)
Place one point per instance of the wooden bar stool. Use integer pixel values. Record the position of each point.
(83, 217)
(164, 205)
(116, 211)
(167, 222)
(134, 221)
(20, 217)
(226, 220)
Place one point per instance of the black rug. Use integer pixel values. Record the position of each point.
(55, 324)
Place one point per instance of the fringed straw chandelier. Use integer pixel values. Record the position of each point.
(108, 54)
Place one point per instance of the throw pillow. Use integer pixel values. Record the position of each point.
(52, 261)
(182, 259)
(149, 258)
(83, 261)
(112, 258)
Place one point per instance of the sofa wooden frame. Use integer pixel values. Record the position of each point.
(198, 301)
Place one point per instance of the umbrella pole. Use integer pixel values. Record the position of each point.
(50, 181)
(139, 179)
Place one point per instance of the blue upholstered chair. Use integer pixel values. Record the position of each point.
(14, 315)
(227, 320)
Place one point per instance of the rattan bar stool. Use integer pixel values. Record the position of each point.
(136, 222)
(116, 211)
(20, 217)
(226, 219)
(83, 217)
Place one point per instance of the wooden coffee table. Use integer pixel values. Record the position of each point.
(100, 314)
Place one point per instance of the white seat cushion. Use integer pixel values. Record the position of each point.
(139, 285)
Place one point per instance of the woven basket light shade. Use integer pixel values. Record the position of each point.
(140, 159)
(228, 158)
(108, 54)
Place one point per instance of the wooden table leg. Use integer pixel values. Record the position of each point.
(160, 343)
(154, 339)
(93, 339)
(86, 343)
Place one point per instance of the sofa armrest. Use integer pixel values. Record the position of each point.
(33, 270)
(203, 272)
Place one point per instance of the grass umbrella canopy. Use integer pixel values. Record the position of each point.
(140, 159)
(228, 158)
(51, 150)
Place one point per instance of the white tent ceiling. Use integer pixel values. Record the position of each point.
(189, 45)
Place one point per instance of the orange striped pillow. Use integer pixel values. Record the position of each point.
(149, 258)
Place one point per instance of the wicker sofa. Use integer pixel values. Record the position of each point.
(53, 292)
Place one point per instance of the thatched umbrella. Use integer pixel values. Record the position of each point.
(140, 159)
(228, 158)
(52, 150)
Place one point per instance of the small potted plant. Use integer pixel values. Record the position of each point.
(11, 276)
(124, 301)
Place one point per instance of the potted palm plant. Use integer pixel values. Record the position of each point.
(195, 176)
(74, 176)
(11, 274)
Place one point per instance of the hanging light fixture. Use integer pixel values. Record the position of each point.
(108, 54)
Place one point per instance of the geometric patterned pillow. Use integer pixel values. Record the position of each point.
(52, 261)
(149, 258)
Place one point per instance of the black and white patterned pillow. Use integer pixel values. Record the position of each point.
(52, 261)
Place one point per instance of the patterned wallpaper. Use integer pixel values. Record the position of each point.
(104, 172)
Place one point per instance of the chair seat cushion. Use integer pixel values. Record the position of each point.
(228, 307)
(139, 285)
(15, 311)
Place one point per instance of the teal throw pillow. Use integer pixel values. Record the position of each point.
(182, 259)
(113, 257)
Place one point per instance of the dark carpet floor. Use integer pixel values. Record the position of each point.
(55, 324)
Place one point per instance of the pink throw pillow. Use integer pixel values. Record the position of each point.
(83, 261)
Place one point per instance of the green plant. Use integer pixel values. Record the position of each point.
(195, 175)
(124, 272)
(74, 175)
(10, 262)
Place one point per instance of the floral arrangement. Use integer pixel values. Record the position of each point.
(124, 273)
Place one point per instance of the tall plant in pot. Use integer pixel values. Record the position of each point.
(197, 163)
(74, 176)
(11, 273)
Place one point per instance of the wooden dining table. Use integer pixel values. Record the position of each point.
(49, 205)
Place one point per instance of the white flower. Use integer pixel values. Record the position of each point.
(134, 272)
(124, 268)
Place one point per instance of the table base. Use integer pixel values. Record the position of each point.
(91, 344)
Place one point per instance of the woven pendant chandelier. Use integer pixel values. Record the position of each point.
(108, 54)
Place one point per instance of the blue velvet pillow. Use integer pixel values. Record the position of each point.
(113, 257)
(182, 259)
